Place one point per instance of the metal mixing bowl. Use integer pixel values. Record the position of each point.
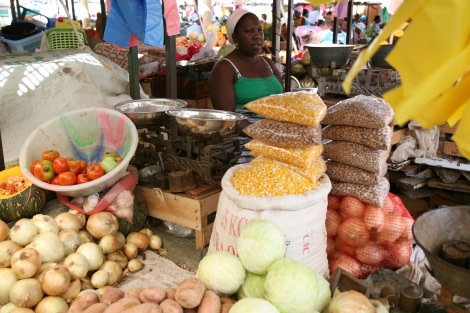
(205, 122)
(435, 227)
(148, 112)
(325, 55)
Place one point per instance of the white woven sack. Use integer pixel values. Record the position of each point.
(300, 217)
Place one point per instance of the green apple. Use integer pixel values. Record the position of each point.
(108, 163)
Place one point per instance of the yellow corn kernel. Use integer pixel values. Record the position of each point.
(267, 177)
(300, 107)
(302, 157)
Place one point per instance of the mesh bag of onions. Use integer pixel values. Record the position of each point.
(363, 238)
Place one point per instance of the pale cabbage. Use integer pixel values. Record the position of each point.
(259, 244)
(293, 287)
(253, 305)
(221, 272)
(252, 287)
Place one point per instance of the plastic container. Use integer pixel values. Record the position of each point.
(64, 38)
(30, 43)
(84, 134)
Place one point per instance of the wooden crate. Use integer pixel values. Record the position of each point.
(447, 147)
(196, 213)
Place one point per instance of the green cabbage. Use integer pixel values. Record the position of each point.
(221, 272)
(293, 287)
(259, 244)
(252, 287)
(253, 305)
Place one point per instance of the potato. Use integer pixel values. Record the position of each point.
(96, 308)
(112, 295)
(189, 292)
(170, 293)
(225, 307)
(171, 306)
(155, 294)
(148, 307)
(85, 299)
(210, 303)
(122, 304)
(227, 300)
(134, 292)
(193, 310)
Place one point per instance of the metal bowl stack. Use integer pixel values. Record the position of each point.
(329, 55)
(205, 122)
(148, 112)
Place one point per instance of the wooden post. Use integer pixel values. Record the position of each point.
(2, 159)
(133, 72)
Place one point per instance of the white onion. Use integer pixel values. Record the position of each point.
(70, 239)
(7, 308)
(109, 244)
(25, 262)
(43, 267)
(4, 230)
(121, 239)
(52, 304)
(80, 216)
(134, 265)
(7, 249)
(101, 224)
(77, 264)
(118, 257)
(49, 246)
(130, 250)
(99, 279)
(8, 279)
(86, 236)
(114, 270)
(350, 301)
(45, 223)
(67, 221)
(155, 242)
(93, 253)
(23, 231)
(56, 280)
(26, 292)
(22, 310)
(73, 290)
(140, 239)
(147, 231)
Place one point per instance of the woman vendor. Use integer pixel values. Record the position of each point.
(243, 75)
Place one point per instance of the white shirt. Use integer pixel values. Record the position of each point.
(313, 16)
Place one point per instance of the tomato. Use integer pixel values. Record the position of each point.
(67, 178)
(94, 171)
(82, 178)
(43, 170)
(75, 167)
(83, 165)
(55, 180)
(50, 155)
(31, 168)
(60, 165)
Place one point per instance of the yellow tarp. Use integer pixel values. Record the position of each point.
(433, 60)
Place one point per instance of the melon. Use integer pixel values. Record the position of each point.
(19, 198)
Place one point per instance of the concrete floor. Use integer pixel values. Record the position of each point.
(181, 250)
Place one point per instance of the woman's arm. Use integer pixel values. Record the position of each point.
(221, 90)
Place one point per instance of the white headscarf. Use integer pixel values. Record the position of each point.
(233, 20)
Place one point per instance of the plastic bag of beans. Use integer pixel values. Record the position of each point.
(284, 134)
(301, 157)
(360, 111)
(377, 138)
(374, 195)
(300, 107)
(354, 154)
(350, 174)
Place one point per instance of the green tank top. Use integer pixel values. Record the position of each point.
(249, 89)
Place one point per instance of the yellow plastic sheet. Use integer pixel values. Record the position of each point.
(433, 61)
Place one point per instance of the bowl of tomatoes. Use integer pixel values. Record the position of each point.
(95, 144)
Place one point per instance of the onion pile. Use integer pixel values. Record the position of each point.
(46, 262)
(362, 238)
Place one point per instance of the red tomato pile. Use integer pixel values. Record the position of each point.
(57, 170)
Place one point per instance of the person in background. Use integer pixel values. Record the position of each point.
(195, 25)
(266, 27)
(313, 16)
(243, 75)
(298, 18)
(376, 26)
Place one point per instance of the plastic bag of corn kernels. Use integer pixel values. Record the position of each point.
(301, 157)
(360, 111)
(300, 107)
(301, 217)
(284, 134)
